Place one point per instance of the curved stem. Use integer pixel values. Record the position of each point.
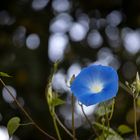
(135, 119)
(61, 124)
(56, 128)
(73, 127)
(112, 110)
(26, 113)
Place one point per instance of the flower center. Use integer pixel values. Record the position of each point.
(96, 87)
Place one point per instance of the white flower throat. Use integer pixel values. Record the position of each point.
(96, 87)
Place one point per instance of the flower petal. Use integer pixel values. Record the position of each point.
(81, 86)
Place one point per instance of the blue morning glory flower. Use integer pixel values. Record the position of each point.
(95, 84)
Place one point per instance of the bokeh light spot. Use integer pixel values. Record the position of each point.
(59, 82)
(131, 40)
(61, 23)
(77, 32)
(6, 96)
(61, 5)
(4, 133)
(94, 39)
(39, 4)
(19, 36)
(33, 41)
(114, 18)
(5, 18)
(74, 69)
(57, 46)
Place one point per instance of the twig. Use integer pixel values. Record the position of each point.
(26, 113)
(26, 124)
(88, 121)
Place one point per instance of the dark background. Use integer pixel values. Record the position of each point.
(30, 68)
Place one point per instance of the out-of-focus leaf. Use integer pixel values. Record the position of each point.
(13, 125)
(114, 137)
(105, 108)
(123, 129)
(101, 137)
(102, 127)
(109, 137)
(3, 74)
(57, 101)
(138, 101)
(101, 111)
(137, 83)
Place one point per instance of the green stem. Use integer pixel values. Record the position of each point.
(135, 119)
(103, 130)
(52, 112)
(73, 127)
(26, 124)
(61, 124)
(107, 119)
(25, 112)
(56, 127)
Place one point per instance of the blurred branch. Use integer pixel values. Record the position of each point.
(73, 121)
(123, 86)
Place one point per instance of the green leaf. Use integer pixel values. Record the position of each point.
(3, 74)
(123, 129)
(57, 101)
(13, 125)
